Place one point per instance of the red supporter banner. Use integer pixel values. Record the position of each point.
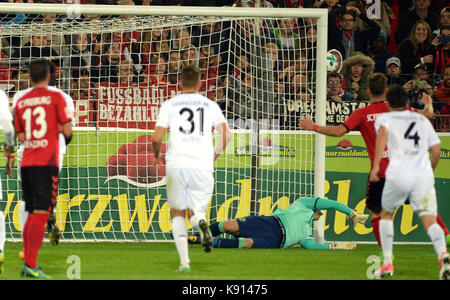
(123, 106)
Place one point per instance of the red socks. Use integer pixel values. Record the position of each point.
(441, 223)
(376, 228)
(34, 231)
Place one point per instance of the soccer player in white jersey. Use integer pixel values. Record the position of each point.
(53, 230)
(408, 136)
(8, 132)
(190, 157)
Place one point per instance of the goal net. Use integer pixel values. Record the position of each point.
(265, 68)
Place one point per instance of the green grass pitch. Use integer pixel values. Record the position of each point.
(151, 261)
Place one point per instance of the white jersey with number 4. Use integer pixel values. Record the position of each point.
(191, 119)
(409, 174)
(410, 136)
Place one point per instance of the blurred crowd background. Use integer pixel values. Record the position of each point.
(407, 40)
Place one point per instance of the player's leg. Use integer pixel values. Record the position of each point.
(44, 188)
(424, 202)
(444, 227)
(2, 234)
(393, 195)
(54, 233)
(2, 240)
(199, 193)
(234, 243)
(23, 216)
(179, 232)
(373, 203)
(218, 228)
(178, 204)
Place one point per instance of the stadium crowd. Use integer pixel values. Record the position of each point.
(272, 62)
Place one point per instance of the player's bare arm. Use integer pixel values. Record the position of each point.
(435, 155)
(380, 145)
(66, 130)
(308, 124)
(428, 110)
(157, 141)
(226, 136)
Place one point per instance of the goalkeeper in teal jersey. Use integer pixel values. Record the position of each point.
(283, 229)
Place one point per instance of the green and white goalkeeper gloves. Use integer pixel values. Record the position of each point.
(356, 218)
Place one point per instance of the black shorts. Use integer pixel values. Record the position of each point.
(40, 187)
(373, 195)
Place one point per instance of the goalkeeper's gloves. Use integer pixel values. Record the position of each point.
(356, 218)
(343, 246)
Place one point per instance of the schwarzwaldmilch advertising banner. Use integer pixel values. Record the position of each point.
(110, 190)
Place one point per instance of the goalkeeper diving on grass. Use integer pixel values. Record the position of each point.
(283, 229)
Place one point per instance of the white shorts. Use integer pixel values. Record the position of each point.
(189, 189)
(419, 189)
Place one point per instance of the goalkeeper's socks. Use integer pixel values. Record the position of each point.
(36, 235)
(217, 228)
(441, 223)
(229, 243)
(376, 228)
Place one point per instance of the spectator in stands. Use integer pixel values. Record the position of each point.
(241, 99)
(208, 34)
(417, 85)
(182, 40)
(420, 13)
(126, 75)
(334, 89)
(109, 65)
(190, 56)
(37, 48)
(356, 69)
(416, 48)
(329, 4)
(442, 95)
(444, 20)
(241, 65)
(393, 72)
(285, 35)
(441, 51)
(442, 92)
(159, 74)
(81, 55)
(271, 50)
(378, 52)
(310, 47)
(344, 36)
(383, 19)
(299, 65)
(174, 66)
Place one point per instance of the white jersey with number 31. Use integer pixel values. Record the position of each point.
(410, 136)
(191, 119)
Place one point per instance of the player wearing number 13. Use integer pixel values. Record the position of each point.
(190, 157)
(408, 136)
(39, 116)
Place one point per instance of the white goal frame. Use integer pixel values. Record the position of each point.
(321, 71)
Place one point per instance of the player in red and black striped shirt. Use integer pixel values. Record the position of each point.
(363, 120)
(39, 116)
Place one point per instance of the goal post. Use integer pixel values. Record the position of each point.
(116, 62)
